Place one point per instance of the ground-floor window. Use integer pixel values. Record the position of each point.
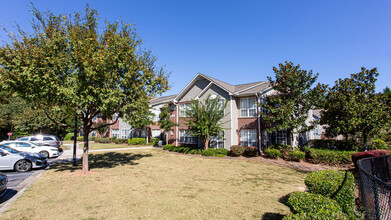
(115, 133)
(156, 133)
(185, 138)
(216, 141)
(125, 133)
(93, 133)
(266, 141)
(248, 137)
(281, 137)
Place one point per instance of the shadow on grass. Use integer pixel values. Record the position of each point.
(104, 160)
(272, 216)
(277, 216)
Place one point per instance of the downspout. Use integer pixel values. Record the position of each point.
(232, 135)
(259, 126)
(177, 122)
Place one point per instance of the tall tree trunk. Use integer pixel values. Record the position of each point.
(206, 144)
(85, 152)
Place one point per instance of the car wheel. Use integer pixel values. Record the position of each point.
(23, 166)
(45, 154)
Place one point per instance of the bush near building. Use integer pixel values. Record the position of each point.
(330, 196)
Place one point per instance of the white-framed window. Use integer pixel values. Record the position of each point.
(186, 138)
(216, 141)
(115, 133)
(248, 107)
(125, 133)
(316, 131)
(182, 109)
(281, 137)
(266, 138)
(93, 133)
(155, 118)
(172, 132)
(248, 137)
(155, 133)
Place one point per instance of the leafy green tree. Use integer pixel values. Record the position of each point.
(352, 107)
(204, 118)
(69, 65)
(140, 118)
(164, 120)
(387, 94)
(294, 96)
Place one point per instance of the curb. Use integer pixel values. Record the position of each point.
(24, 186)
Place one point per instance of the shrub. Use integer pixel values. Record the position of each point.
(80, 138)
(251, 151)
(221, 151)
(283, 148)
(168, 147)
(209, 152)
(137, 141)
(195, 151)
(121, 141)
(379, 144)
(272, 153)
(320, 215)
(68, 137)
(302, 202)
(331, 157)
(348, 145)
(366, 154)
(155, 141)
(296, 155)
(102, 140)
(237, 150)
(337, 185)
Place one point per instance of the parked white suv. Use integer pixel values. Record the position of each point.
(46, 151)
(43, 140)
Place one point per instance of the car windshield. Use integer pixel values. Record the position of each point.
(11, 150)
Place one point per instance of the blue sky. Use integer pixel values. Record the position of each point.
(240, 41)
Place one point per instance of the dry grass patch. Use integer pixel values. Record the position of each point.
(153, 184)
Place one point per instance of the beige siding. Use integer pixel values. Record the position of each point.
(198, 86)
(235, 116)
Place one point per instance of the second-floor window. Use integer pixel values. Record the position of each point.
(182, 109)
(248, 107)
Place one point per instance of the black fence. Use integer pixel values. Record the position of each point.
(375, 186)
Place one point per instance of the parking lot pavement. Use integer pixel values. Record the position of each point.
(19, 181)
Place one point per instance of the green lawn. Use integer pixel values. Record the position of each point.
(154, 184)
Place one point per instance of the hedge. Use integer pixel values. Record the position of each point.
(102, 140)
(251, 151)
(137, 141)
(236, 150)
(296, 155)
(155, 141)
(366, 154)
(331, 157)
(120, 141)
(320, 215)
(69, 137)
(315, 206)
(349, 145)
(283, 148)
(379, 144)
(337, 185)
(272, 153)
(219, 152)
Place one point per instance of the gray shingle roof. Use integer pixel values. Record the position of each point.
(162, 100)
(247, 88)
